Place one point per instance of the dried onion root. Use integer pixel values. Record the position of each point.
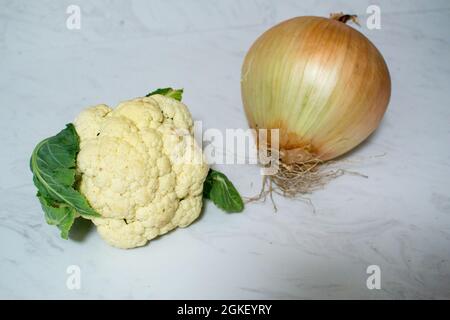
(299, 179)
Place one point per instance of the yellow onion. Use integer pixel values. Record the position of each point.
(318, 80)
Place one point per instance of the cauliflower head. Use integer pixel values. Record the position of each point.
(140, 168)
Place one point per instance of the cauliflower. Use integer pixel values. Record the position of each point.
(140, 168)
(135, 171)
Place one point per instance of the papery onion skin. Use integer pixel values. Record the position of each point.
(318, 80)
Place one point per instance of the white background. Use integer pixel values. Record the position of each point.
(398, 218)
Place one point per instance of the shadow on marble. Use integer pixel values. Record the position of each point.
(80, 229)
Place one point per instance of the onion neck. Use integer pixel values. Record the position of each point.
(344, 18)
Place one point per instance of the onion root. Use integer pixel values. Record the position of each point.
(298, 179)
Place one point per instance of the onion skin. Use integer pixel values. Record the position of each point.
(321, 82)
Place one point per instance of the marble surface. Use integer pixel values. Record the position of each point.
(398, 218)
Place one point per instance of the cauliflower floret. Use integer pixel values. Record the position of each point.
(140, 168)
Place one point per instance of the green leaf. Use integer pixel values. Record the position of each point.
(62, 216)
(222, 192)
(53, 165)
(168, 92)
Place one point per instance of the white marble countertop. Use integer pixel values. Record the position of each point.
(398, 218)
